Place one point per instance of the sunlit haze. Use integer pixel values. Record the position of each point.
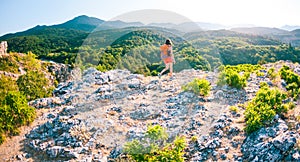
(19, 15)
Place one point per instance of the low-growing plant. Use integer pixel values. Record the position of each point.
(198, 86)
(155, 148)
(2, 138)
(237, 76)
(234, 109)
(6, 84)
(292, 80)
(14, 112)
(30, 62)
(271, 73)
(194, 139)
(232, 78)
(34, 85)
(264, 106)
(9, 64)
(260, 74)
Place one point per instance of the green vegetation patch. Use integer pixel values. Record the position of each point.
(198, 86)
(155, 148)
(14, 112)
(7, 84)
(264, 106)
(292, 80)
(236, 76)
(9, 64)
(34, 85)
(14, 109)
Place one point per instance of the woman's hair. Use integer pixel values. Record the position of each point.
(168, 42)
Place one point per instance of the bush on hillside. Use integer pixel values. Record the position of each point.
(6, 84)
(155, 148)
(292, 80)
(271, 73)
(198, 86)
(264, 106)
(34, 85)
(236, 76)
(233, 79)
(14, 112)
(30, 62)
(9, 64)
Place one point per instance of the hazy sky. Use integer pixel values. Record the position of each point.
(19, 15)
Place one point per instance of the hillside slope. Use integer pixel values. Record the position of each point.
(62, 42)
(91, 118)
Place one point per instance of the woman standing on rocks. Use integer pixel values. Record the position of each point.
(166, 54)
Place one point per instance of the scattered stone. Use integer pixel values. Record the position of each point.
(46, 102)
(55, 151)
(110, 108)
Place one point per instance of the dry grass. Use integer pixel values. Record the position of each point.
(240, 120)
(81, 133)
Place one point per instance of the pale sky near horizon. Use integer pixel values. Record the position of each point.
(20, 15)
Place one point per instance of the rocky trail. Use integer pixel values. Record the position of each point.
(91, 118)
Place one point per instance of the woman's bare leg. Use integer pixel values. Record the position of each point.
(171, 69)
(165, 69)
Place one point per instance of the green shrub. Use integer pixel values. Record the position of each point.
(259, 73)
(6, 84)
(14, 113)
(154, 147)
(264, 106)
(234, 109)
(9, 64)
(271, 73)
(292, 80)
(244, 68)
(194, 139)
(236, 76)
(198, 86)
(233, 79)
(2, 138)
(30, 62)
(34, 85)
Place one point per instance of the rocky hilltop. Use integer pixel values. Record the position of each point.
(90, 118)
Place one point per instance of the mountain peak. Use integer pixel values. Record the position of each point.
(83, 19)
(81, 22)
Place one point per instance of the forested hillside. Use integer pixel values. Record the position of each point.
(137, 47)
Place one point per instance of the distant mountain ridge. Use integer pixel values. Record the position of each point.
(88, 24)
(259, 30)
(69, 36)
(290, 27)
(285, 36)
(83, 22)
